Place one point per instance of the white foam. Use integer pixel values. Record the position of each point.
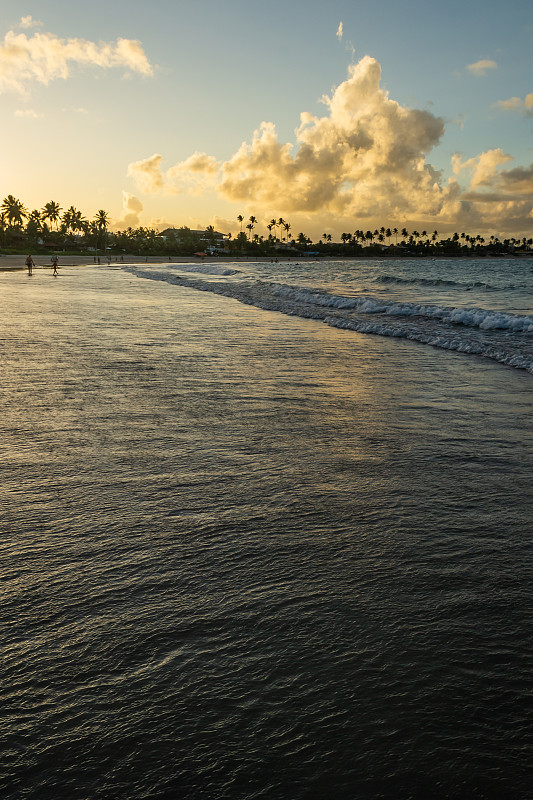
(468, 330)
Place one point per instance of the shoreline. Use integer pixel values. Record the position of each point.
(17, 262)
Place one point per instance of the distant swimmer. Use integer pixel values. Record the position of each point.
(30, 265)
(54, 264)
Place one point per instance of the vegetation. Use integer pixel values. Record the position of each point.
(53, 229)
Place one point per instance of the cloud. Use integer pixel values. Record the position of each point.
(517, 104)
(29, 22)
(148, 174)
(44, 57)
(480, 67)
(195, 175)
(367, 154)
(131, 212)
(28, 113)
(483, 168)
(339, 31)
(365, 160)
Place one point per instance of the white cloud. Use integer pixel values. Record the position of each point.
(44, 57)
(517, 104)
(28, 113)
(195, 175)
(29, 22)
(366, 160)
(366, 154)
(340, 31)
(131, 212)
(480, 68)
(483, 168)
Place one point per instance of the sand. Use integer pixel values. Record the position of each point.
(67, 260)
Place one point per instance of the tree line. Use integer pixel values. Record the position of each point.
(53, 227)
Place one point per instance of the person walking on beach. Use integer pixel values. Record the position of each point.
(54, 264)
(30, 265)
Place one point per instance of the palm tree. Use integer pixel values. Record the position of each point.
(250, 228)
(253, 220)
(51, 211)
(281, 223)
(101, 219)
(287, 226)
(240, 219)
(36, 218)
(14, 211)
(68, 218)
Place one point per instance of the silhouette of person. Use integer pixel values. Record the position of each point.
(30, 265)
(54, 264)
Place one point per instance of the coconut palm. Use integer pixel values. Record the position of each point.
(240, 219)
(72, 220)
(35, 217)
(287, 226)
(101, 219)
(253, 220)
(14, 211)
(51, 211)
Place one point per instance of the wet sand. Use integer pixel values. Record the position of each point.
(44, 261)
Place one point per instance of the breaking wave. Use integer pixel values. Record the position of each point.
(503, 337)
(445, 283)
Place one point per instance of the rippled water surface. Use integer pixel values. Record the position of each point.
(245, 554)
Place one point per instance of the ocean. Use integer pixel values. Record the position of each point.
(266, 530)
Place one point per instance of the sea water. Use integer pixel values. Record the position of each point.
(248, 554)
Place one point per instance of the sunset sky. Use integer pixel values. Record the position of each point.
(336, 116)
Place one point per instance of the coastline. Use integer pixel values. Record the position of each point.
(10, 262)
(17, 262)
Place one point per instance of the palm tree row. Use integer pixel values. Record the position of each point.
(52, 225)
(382, 237)
(14, 213)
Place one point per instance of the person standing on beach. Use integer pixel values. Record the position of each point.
(30, 265)
(54, 264)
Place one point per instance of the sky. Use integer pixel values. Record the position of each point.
(336, 116)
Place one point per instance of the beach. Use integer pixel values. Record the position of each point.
(266, 530)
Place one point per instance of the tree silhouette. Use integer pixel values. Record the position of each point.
(52, 212)
(14, 211)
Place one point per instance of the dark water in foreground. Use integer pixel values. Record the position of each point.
(248, 555)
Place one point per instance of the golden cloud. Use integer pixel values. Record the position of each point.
(483, 168)
(44, 57)
(517, 104)
(131, 212)
(480, 68)
(366, 158)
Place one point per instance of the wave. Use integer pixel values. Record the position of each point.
(506, 338)
(206, 269)
(443, 282)
(366, 304)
